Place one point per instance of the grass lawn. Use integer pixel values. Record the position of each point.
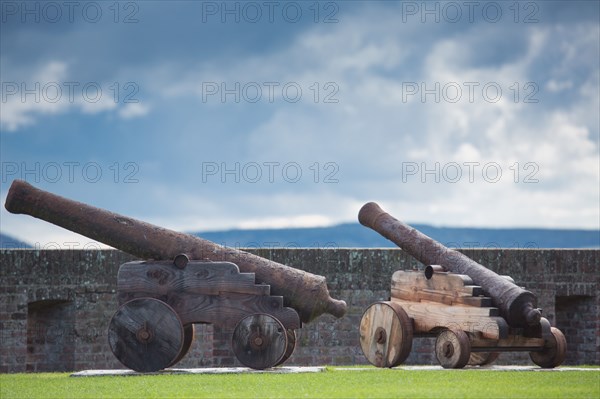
(333, 383)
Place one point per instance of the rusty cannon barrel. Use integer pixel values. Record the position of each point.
(305, 292)
(517, 306)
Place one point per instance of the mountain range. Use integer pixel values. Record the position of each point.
(7, 241)
(353, 235)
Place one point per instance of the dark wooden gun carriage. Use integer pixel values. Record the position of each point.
(161, 301)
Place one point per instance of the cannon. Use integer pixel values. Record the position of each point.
(185, 280)
(474, 313)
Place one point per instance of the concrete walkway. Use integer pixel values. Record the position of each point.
(486, 368)
(211, 370)
(293, 370)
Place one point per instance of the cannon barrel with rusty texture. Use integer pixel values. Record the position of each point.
(307, 293)
(516, 305)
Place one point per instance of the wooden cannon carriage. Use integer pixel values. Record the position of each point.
(474, 313)
(188, 280)
(160, 301)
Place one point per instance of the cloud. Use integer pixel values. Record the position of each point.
(286, 222)
(547, 154)
(21, 100)
(556, 86)
(53, 89)
(134, 110)
(541, 130)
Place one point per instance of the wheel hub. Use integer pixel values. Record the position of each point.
(448, 349)
(257, 341)
(380, 335)
(144, 334)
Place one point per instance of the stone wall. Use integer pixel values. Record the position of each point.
(55, 305)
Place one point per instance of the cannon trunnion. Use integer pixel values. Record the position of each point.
(160, 301)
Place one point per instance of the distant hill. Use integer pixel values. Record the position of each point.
(7, 241)
(353, 235)
(356, 236)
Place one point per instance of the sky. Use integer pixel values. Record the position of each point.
(202, 116)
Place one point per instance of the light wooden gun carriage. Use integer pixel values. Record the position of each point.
(188, 280)
(474, 313)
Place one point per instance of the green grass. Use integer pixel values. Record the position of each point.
(333, 383)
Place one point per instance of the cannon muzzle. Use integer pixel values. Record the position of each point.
(303, 291)
(516, 305)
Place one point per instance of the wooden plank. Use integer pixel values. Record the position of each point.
(446, 298)
(512, 341)
(429, 316)
(443, 282)
(208, 278)
(473, 290)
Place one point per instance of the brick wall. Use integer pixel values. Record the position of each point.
(55, 306)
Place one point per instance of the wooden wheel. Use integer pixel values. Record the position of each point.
(291, 345)
(554, 351)
(189, 334)
(259, 341)
(386, 334)
(482, 358)
(146, 335)
(453, 349)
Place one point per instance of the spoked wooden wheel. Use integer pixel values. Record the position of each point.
(554, 351)
(189, 334)
(482, 358)
(453, 349)
(386, 334)
(291, 345)
(259, 341)
(146, 335)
